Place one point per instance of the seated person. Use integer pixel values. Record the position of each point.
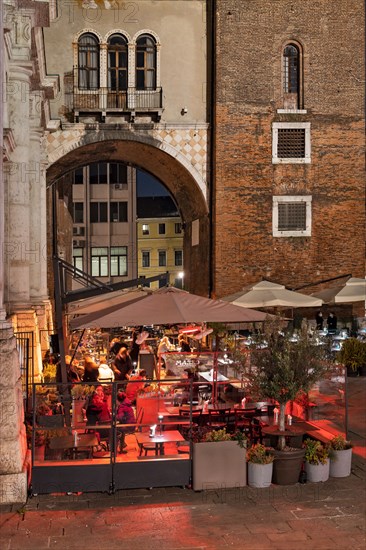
(134, 386)
(105, 373)
(183, 344)
(125, 415)
(98, 413)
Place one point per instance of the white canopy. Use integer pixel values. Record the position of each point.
(267, 294)
(353, 291)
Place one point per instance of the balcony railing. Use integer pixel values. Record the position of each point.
(103, 99)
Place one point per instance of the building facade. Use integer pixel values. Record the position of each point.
(289, 132)
(160, 240)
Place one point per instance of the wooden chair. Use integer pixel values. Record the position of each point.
(218, 418)
(243, 420)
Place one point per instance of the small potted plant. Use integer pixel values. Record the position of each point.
(340, 457)
(260, 466)
(218, 459)
(353, 356)
(316, 460)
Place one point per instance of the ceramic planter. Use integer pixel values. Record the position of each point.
(259, 475)
(218, 464)
(287, 466)
(317, 472)
(340, 463)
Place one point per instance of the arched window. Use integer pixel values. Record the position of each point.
(117, 63)
(291, 75)
(88, 62)
(145, 63)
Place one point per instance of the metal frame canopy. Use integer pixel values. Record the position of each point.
(167, 305)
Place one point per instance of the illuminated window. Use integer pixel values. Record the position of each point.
(118, 261)
(99, 262)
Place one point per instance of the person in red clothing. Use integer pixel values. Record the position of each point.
(134, 386)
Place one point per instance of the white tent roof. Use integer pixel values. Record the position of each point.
(267, 294)
(353, 291)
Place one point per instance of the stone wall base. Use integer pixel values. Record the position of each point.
(14, 487)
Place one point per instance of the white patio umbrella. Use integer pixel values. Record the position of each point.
(267, 294)
(167, 306)
(353, 291)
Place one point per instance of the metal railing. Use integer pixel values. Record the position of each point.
(104, 99)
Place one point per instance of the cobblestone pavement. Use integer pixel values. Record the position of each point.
(328, 515)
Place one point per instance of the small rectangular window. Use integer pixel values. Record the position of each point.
(162, 258)
(78, 212)
(78, 176)
(98, 212)
(161, 228)
(292, 216)
(118, 261)
(145, 259)
(291, 142)
(118, 212)
(77, 258)
(178, 257)
(145, 229)
(177, 228)
(99, 261)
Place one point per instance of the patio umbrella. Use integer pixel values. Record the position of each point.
(354, 290)
(267, 294)
(168, 305)
(119, 297)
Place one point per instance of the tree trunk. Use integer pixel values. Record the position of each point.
(281, 425)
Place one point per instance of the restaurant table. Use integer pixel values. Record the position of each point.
(293, 432)
(83, 442)
(168, 436)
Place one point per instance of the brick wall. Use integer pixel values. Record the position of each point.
(250, 38)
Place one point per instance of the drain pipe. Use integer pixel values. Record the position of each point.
(211, 74)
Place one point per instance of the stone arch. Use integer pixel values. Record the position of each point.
(169, 166)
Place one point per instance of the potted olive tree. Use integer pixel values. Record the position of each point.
(218, 459)
(279, 369)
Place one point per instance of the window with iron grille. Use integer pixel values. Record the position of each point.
(292, 216)
(291, 69)
(291, 142)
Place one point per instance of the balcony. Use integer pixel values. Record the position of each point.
(105, 102)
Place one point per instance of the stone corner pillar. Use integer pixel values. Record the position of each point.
(13, 444)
